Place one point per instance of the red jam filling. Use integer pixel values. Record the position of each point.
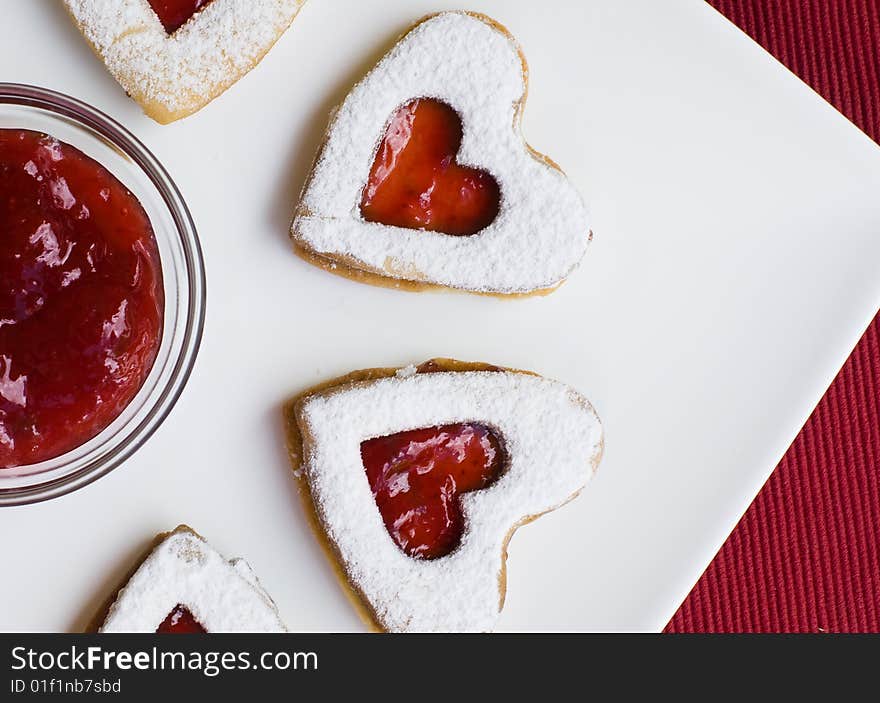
(415, 181)
(173, 14)
(417, 478)
(180, 621)
(81, 297)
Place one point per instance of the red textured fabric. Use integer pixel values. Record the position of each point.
(806, 556)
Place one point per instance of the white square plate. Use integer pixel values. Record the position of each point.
(735, 263)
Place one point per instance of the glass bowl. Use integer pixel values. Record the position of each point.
(113, 146)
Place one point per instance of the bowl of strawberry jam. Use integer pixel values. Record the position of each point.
(102, 294)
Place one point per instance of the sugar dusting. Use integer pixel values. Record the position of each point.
(224, 596)
(542, 229)
(553, 440)
(185, 70)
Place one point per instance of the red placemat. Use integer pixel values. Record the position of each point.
(806, 555)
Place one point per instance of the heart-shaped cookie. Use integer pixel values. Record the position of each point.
(419, 476)
(185, 586)
(175, 56)
(525, 227)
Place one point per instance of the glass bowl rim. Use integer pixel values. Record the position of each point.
(167, 394)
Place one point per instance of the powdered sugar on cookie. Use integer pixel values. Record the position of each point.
(222, 596)
(174, 75)
(553, 443)
(542, 229)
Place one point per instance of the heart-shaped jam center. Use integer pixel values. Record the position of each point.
(173, 14)
(415, 181)
(417, 477)
(180, 621)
